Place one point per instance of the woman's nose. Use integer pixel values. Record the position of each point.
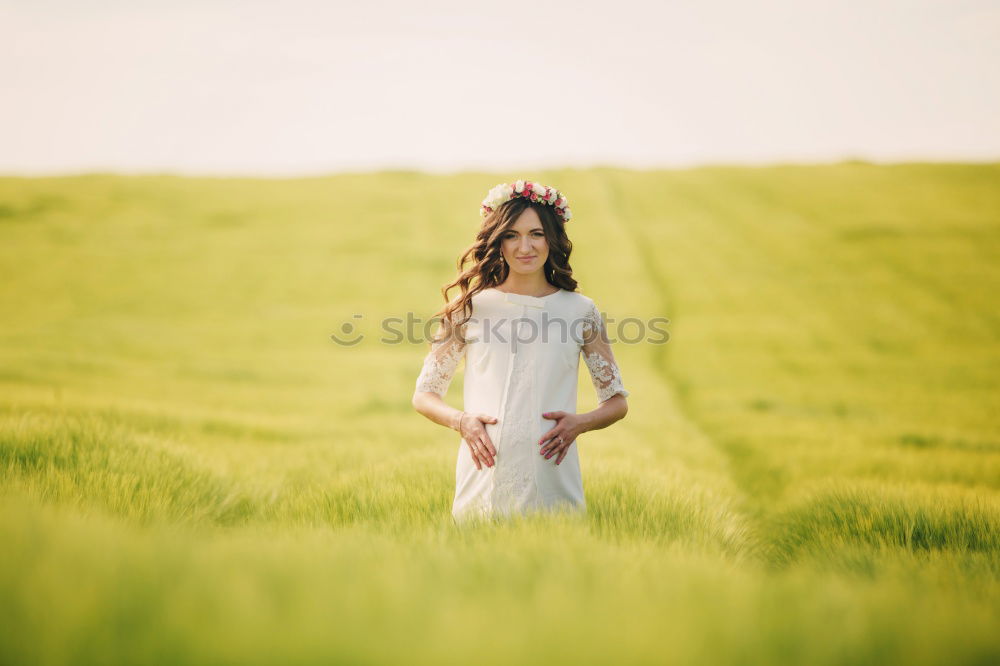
(525, 244)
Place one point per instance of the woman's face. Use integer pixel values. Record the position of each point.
(523, 245)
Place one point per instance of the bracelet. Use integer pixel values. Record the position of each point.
(458, 423)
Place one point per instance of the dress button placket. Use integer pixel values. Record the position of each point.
(514, 472)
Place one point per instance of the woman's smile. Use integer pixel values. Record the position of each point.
(526, 260)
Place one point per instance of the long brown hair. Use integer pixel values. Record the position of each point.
(488, 269)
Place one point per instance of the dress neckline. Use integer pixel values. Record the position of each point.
(510, 293)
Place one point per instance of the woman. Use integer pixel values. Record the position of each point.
(521, 325)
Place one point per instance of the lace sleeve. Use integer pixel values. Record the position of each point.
(599, 358)
(440, 364)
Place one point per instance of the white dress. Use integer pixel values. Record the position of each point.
(521, 360)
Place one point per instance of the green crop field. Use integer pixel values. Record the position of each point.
(192, 471)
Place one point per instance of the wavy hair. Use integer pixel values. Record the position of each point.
(482, 266)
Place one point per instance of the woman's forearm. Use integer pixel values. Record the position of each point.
(613, 409)
(432, 406)
(437, 410)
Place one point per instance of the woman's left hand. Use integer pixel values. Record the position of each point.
(556, 442)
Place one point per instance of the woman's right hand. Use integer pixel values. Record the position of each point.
(473, 431)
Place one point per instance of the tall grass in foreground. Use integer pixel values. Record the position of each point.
(191, 471)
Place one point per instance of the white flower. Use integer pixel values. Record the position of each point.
(567, 215)
(500, 194)
(519, 186)
(497, 195)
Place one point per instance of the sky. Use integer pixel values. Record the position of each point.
(302, 87)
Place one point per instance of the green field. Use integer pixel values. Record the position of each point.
(191, 471)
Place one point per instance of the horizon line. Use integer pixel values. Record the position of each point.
(258, 174)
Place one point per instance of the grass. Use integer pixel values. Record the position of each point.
(191, 471)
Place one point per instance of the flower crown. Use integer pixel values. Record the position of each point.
(504, 192)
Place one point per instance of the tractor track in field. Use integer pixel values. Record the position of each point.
(743, 467)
